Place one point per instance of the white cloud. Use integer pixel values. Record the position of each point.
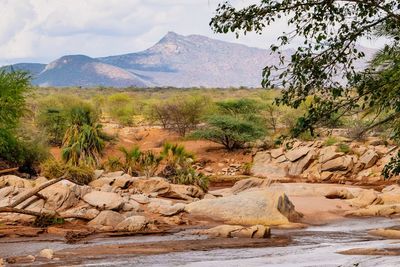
(43, 30)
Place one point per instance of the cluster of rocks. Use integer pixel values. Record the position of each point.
(119, 202)
(315, 162)
(228, 167)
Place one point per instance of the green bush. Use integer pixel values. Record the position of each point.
(52, 169)
(120, 107)
(330, 141)
(232, 132)
(188, 176)
(84, 140)
(344, 148)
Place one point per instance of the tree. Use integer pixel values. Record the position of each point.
(329, 31)
(231, 132)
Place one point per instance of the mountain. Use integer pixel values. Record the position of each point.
(33, 68)
(176, 60)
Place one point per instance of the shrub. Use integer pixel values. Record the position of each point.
(113, 164)
(344, 148)
(176, 157)
(52, 169)
(131, 160)
(330, 141)
(84, 139)
(120, 107)
(181, 114)
(148, 163)
(230, 131)
(188, 176)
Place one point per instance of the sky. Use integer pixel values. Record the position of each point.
(44, 30)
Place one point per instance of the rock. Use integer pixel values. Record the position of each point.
(386, 233)
(47, 253)
(256, 231)
(369, 158)
(263, 167)
(325, 176)
(153, 185)
(276, 153)
(133, 224)
(340, 193)
(185, 192)
(338, 164)
(299, 166)
(99, 183)
(297, 153)
(365, 198)
(208, 169)
(156, 203)
(328, 153)
(209, 196)
(373, 141)
(131, 206)
(123, 182)
(140, 198)
(104, 200)
(376, 210)
(12, 180)
(62, 196)
(113, 174)
(171, 210)
(390, 198)
(247, 208)
(40, 180)
(245, 184)
(107, 218)
(98, 174)
(221, 230)
(106, 188)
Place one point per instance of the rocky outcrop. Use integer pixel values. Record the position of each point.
(358, 163)
(133, 224)
(247, 208)
(107, 218)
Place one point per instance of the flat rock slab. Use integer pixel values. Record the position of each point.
(104, 200)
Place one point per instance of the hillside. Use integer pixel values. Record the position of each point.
(176, 60)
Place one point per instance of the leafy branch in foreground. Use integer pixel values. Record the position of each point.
(329, 32)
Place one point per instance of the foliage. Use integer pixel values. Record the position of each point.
(329, 31)
(232, 132)
(131, 160)
(120, 107)
(84, 140)
(149, 162)
(344, 148)
(46, 220)
(175, 157)
(113, 164)
(188, 176)
(392, 168)
(81, 174)
(331, 141)
(180, 114)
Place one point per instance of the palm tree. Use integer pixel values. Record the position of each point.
(131, 160)
(176, 158)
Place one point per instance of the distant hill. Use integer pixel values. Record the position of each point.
(176, 60)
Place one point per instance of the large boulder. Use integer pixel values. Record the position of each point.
(299, 166)
(264, 207)
(344, 163)
(328, 153)
(256, 231)
(107, 218)
(376, 210)
(369, 158)
(297, 153)
(133, 224)
(156, 185)
(365, 198)
(263, 167)
(63, 195)
(104, 200)
(250, 183)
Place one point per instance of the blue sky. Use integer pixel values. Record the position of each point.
(43, 30)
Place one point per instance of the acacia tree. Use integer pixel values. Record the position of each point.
(329, 31)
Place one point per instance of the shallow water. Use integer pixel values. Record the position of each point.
(314, 246)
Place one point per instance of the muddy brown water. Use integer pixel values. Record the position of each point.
(314, 246)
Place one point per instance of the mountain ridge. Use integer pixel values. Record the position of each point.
(175, 61)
